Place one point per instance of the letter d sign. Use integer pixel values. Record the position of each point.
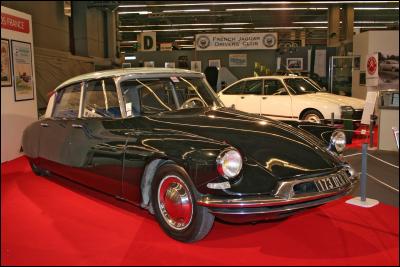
(148, 41)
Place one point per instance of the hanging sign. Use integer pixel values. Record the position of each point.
(372, 76)
(147, 41)
(236, 41)
(14, 23)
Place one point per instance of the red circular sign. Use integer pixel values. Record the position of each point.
(371, 65)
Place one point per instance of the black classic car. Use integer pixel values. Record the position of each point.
(161, 139)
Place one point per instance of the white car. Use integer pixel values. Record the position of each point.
(289, 97)
(390, 65)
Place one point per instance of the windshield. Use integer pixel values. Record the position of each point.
(153, 95)
(298, 86)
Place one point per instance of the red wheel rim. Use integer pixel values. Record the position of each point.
(175, 202)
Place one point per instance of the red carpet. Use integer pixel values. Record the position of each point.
(359, 138)
(50, 221)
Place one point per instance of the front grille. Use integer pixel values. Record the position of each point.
(357, 114)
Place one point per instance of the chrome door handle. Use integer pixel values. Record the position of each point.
(43, 124)
(77, 126)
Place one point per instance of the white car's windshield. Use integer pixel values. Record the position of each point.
(153, 95)
(298, 86)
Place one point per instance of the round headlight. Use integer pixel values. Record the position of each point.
(338, 139)
(229, 163)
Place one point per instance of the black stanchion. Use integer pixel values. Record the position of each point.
(332, 119)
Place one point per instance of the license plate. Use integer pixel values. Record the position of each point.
(331, 182)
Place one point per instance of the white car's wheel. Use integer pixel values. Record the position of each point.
(313, 116)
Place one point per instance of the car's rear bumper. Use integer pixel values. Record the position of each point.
(283, 203)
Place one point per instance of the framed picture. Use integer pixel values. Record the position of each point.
(214, 63)
(6, 74)
(356, 62)
(149, 64)
(294, 63)
(23, 71)
(237, 60)
(169, 64)
(362, 80)
(195, 66)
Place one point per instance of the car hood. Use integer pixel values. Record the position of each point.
(335, 99)
(279, 148)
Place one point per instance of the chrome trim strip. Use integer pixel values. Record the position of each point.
(284, 195)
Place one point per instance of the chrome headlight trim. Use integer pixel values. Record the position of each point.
(338, 141)
(229, 163)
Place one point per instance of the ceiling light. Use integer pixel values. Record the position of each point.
(183, 40)
(276, 8)
(376, 8)
(189, 37)
(134, 12)
(255, 3)
(237, 28)
(186, 10)
(129, 41)
(277, 28)
(130, 57)
(371, 27)
(187, 24)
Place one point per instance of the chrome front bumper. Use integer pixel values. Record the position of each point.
(285, 200)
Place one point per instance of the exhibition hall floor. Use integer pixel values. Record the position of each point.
(52, 221)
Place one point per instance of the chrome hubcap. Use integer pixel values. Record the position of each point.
(313, 118)
(175, 202)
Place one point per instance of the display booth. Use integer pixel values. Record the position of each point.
(18, 88)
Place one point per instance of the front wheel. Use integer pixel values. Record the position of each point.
(175, 207)
(313, 116)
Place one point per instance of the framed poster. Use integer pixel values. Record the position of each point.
(6, 74)
(294, 63)
(169, 65)
(149, 64)
(356, 62)
(195, 66)
(23, 72)
(214, 63)
(237, 60)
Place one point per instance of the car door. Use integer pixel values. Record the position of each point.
(55, 131)
(231, 94)
(97, 140)
(250, 99)
(276, 101)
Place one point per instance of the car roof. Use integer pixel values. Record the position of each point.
(265, 77)
(135, 72)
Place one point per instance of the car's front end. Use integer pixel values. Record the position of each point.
(270, 169)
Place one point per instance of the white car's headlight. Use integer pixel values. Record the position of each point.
(229, 163)
(338, 139)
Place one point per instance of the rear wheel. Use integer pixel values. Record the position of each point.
(175, 207)
(313, 116)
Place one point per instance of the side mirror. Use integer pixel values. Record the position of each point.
(324, 89)
(233, 106)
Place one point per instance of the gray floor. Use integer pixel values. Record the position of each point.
(379, 170)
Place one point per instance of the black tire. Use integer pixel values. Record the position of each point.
(201, 220)
(312, 113)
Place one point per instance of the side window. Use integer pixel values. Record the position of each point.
(253, 87)
(66, 102)
(236, 89)
(101, 99)
(152, 96)
(274, 87)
